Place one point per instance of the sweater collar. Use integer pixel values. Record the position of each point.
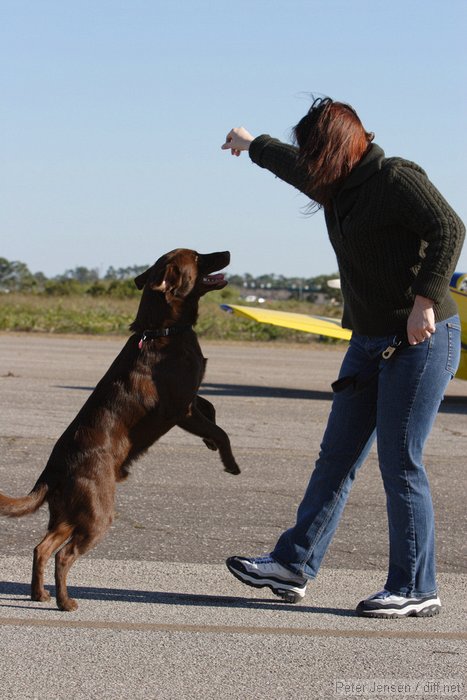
(368, 166)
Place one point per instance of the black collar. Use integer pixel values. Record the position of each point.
(162, 333)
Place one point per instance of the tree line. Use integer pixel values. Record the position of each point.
(15, 276)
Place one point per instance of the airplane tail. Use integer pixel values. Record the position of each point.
(17, 507)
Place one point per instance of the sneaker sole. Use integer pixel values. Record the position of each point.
(393, 614)
(285, 594)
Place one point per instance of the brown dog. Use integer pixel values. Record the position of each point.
(151, 386)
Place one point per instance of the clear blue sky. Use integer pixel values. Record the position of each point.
(113, 113)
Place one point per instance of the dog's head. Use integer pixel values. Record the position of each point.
(184, 272)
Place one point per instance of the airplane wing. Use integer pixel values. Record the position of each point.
(320, 325)
(458, 288)
(331, 327)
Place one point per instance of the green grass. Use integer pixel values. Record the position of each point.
(69, 314)
(81, 313)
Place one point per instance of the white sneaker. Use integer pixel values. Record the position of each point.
(265, 571)
(386, 604)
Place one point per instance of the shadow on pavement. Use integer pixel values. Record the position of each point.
(268, 392)
(451, 404)
(121, 595)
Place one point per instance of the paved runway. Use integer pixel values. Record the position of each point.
(159, 616)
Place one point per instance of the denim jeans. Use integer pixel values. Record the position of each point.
(398, 405)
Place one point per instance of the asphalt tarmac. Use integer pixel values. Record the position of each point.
(160, 616)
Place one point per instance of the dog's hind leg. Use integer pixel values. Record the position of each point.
(209, 412)
(42, 553)
(81, 542)
(197, 424)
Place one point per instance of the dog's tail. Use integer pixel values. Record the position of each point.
(16, 507)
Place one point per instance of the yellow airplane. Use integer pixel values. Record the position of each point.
(331, 327)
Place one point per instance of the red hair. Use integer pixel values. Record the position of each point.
(331, 140)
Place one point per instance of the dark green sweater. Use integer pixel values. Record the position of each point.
(393, 233)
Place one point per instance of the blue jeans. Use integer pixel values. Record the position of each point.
(399, 405)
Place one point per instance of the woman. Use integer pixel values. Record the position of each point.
(397, 242)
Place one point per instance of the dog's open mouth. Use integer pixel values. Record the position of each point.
(216, 281)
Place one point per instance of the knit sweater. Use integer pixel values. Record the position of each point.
(393, 233)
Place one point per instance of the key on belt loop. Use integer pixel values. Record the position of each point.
(391, 349)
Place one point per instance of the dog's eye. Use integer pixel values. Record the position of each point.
(196, 258)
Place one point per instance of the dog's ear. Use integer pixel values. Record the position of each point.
(171, 275)
(153, 275)
(171, 282)
(141, 280)
(178, 281)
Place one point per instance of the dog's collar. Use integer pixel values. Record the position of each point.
(162, 333)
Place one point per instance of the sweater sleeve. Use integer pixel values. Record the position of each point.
(281, 159)
(428, 215)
